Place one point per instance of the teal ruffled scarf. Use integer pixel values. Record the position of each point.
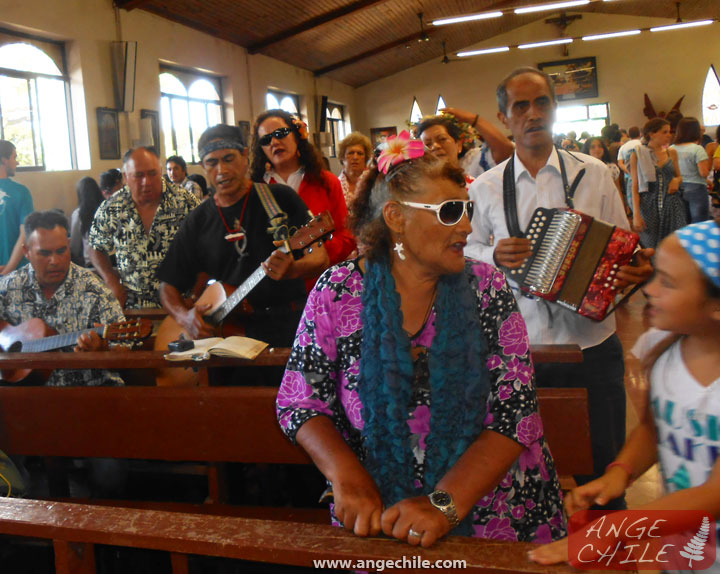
(459, 384)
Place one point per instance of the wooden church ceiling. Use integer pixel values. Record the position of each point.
(359, 41)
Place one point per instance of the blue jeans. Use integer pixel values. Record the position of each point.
(696, 197)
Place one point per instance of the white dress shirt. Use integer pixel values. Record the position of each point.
(596, 195)
(294, 179)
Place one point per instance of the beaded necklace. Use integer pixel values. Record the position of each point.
(236, 235)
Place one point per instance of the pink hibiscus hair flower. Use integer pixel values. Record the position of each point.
(399, 149)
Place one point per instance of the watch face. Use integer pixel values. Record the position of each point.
(440, 498)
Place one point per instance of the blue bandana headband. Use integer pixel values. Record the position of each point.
(702, 242)
(215, 145)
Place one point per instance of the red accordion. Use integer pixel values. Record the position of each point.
(574, 260)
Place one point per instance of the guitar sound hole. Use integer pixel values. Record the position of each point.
(16, 347)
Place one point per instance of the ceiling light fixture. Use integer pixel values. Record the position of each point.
(468, 18)
(610, 35)
(554, 6)
(485, 51)
(541, 44)
(681, 25)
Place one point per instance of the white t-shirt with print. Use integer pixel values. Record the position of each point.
(687, 419)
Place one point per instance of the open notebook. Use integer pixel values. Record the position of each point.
(239, 347)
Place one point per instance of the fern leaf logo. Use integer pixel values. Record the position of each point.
(693, 550)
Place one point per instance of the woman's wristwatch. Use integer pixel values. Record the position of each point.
(444, 503)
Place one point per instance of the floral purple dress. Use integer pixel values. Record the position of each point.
(323, 374)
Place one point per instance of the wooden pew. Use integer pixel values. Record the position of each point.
(76, 528)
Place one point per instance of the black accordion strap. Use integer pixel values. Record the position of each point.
(510, 195)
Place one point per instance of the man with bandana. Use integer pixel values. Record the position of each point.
(227, 238)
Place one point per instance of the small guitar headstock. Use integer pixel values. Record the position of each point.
(128, 330)
(321, 226)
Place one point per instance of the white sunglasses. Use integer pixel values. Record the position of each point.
(448, 212)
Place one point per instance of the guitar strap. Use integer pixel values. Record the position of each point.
(278, 218)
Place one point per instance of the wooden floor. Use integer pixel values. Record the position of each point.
(631, 324)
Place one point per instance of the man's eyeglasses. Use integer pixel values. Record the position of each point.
(448, 212)
(278, 134)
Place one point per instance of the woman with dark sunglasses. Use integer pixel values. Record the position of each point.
(282, 153)
(419, 361)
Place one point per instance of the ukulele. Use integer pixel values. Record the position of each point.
(35, 336)
(223, 299)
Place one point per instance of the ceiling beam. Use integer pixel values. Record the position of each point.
(373, 52)
(130, 4)
(309, 24)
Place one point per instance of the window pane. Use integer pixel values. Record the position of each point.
(27, 58)
(571, 113)
(182, 127)
(711, 99)
(597, 111)
(16, 119)
(204, 90)
(167, 126)
(199, 124)
(169, 84)
(288, 104)
(271, 102)
(415, 113)
(55, 132)
(440, 105)
(214, 114)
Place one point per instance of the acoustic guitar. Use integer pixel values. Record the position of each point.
(36, 336)
(223, 299)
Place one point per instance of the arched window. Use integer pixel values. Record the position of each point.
(34, 105)
(335, 114)
(711, 99)
(440, 105)
(415, 113)
(275, 100)
(190, 104)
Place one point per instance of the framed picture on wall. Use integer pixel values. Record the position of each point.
(154, 120)
(379, 135)
(574, 79)
(108, 133)
(245, 130)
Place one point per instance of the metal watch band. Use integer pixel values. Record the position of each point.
(448, 510)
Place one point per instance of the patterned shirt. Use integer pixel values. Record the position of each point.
(81, 301)
(118, 228)
(323, 374)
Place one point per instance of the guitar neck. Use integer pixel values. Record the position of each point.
(218, 316)
(58, 341)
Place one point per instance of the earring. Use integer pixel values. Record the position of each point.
(399, 248)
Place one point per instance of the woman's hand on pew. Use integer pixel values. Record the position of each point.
(415, 520)
(553, 553)
(358, 504)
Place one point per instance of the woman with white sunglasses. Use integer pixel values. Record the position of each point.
(418, 360)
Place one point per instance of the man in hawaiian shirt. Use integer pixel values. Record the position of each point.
(67, 297)
(138, 224)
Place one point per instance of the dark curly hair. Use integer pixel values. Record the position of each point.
(606, 152)
(374, 189)
(310, 157)
(452, 128)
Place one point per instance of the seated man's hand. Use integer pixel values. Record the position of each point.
(639, 271)
(90, 342)
(194, 324)
(511, 252)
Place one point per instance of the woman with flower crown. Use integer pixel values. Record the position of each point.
(282, 153)
(410, 382)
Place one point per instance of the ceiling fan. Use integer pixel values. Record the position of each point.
(446, 59)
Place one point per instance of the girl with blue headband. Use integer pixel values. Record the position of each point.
(681, 356)
(410, 382)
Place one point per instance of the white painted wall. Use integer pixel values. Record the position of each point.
(88, 27)
(666, 65)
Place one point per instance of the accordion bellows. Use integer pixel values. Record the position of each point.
(574, 260)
